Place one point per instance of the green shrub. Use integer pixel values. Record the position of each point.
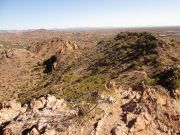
(149, 81)
(135, 65)
(176, 84)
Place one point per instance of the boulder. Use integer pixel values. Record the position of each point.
(36, 104)
(51, 101)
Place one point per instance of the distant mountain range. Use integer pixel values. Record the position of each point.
(166, 28)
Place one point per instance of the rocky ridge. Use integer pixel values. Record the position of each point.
(141, 110)
(109, 88)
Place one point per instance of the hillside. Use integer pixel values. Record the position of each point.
(104, 82)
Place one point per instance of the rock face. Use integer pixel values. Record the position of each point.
(139, 111)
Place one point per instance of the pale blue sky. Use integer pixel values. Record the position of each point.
(34, 14)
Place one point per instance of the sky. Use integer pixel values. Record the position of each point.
(49, 14)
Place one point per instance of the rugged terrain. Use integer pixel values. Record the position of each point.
(90, 82)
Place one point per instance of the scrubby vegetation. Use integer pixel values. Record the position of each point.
(94, 76)
(131, 49)
(83, 78)
(149, 81)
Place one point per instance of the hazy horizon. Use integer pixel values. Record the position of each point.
(47, 14)
(90, 28)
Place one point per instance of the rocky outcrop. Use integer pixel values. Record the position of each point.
(140, 110)
(45, 115)
(143, 111)
(55, 45)
(55, 51)
(150, 111)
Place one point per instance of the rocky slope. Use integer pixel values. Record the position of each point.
(128, 84)
(138, 111)
(21, 68)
